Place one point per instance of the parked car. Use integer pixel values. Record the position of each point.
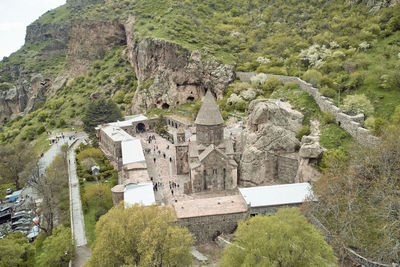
(9, 191)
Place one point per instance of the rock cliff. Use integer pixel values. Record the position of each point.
(169, 75)
(24, 97)
(309, 155)
(89, 40)
(268, 139)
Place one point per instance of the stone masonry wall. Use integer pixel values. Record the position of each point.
(287, 167)
(352, 124)
(207, 228)
(269, 209)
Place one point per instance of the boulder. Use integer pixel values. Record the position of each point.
(310, 154)
(270, 133)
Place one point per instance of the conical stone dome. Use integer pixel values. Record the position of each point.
(209, 112)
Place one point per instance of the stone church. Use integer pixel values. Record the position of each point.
(208, 157)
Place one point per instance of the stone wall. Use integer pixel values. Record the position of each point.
(268, 209)
(207, 228)
(287, 167)
(175, 123)
(352, 124)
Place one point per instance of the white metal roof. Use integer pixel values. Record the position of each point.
(128, 121)
(275, 195)
(116, 133)
(132, 151)
(139, 194)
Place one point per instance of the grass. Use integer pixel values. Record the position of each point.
(4, 187)
(58, 15)
(90, 222)
(333, 136)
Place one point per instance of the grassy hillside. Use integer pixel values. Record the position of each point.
(354, 51)
(348, 50)
(111, 76)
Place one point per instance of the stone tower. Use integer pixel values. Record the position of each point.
(209, 123)
(182, 149)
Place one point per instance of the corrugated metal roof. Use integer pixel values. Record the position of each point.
(142, 194)
(274, 195)
(132, 151)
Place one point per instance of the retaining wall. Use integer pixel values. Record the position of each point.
(352, 124)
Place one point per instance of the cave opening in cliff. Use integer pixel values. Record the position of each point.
(190, 98)
(165, 106)
(140, 128)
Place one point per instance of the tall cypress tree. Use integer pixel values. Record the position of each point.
(98, 112)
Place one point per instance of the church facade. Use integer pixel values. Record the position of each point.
(208, 158)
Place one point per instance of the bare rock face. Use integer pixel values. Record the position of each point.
(89, 41)
(309, 155)
(270, 134)
(169, 75)
(25, 96)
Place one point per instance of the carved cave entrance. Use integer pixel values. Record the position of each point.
(140, 128)
(165, 106)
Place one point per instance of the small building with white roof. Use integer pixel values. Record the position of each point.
(141, 194)
(268, 199)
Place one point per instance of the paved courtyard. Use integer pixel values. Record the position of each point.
(162, 170)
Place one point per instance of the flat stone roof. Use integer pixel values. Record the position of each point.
(275, 195)
(115, 133)
(210, 206)
(119, 188)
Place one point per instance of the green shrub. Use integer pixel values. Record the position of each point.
(271, 84)
(40, 130)
(370, 123)
(119, 97)
(305, 130)
(291, 86)
(358, 104)
(332, 155)
(380, 126)
(395, 118)
(312, 76)
(327, 118)
(328, 92)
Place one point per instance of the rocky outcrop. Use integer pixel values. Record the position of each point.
(89, 41)
(310, 154)
(25, 96)
(169, 75)
(269, 140)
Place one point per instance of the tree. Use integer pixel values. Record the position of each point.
(15, 163)
(283, 239)
(53, 187)
(140, 236)
(58, 249)
(98, 196)
(98, 112)
(161, 126)
(358, 199)
(16, 251)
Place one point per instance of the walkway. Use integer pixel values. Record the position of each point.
(77, 221)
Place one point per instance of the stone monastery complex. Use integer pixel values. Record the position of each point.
(196, 173)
